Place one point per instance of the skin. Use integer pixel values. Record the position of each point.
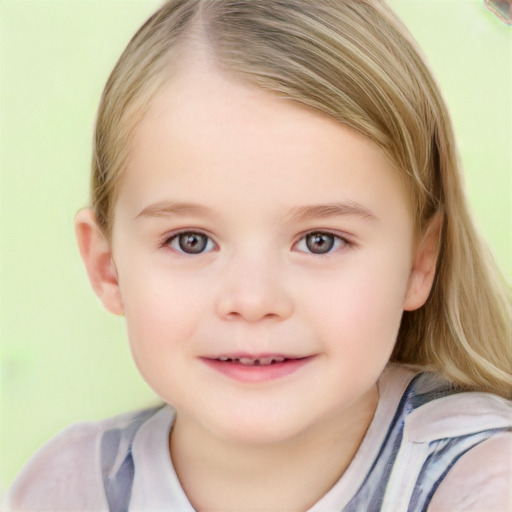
(253, 172)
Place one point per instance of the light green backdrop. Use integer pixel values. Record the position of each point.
(63, 358)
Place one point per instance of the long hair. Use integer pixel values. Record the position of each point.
(354, 61)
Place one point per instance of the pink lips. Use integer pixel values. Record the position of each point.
(256, 368)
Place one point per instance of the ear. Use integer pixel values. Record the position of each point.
(424, 265)
(96, 254)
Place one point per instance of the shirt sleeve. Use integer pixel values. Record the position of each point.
(64, 475)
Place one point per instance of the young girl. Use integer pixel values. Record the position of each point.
(278, 213)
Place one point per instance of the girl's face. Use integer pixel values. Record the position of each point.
(264, 255)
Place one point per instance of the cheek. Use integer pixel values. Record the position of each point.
(161, 312)
(362, 304)
(161, 320)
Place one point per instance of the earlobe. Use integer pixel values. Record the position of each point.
(424, 265)
(97, 256)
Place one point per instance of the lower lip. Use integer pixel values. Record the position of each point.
(257, 373)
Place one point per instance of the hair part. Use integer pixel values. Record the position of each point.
(354, 61)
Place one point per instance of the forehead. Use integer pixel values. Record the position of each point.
(206, 136)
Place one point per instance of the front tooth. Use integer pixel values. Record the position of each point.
(224, 358)
(265, 360)
(278, 359)
(246, 360)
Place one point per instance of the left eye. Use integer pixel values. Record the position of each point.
(191, 242)
(318, 242)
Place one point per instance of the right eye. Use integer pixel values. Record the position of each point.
(191, 242)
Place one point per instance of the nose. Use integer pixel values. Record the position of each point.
(253, 290)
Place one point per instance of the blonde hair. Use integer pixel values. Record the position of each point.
(356, 62)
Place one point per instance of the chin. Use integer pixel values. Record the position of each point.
(263, 429)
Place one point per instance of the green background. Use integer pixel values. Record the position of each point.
(63, 358)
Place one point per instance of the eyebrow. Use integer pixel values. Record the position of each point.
(298, 214)
(167, 208)
(349, 208)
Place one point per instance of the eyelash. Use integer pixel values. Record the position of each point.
(337, 242)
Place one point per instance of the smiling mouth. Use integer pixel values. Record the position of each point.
(256, 368)
(255, 361)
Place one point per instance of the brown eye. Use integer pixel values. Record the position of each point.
(320, 243)
(191, 243)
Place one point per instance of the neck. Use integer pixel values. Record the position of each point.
(222, 475)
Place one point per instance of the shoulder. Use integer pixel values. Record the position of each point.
(479, 480)
(65, 473)
(451, 415)
(480, 477)
(455, 452)
(469, 436)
